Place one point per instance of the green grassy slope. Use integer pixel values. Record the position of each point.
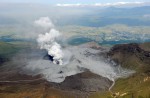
(7, 50)
(135, 57)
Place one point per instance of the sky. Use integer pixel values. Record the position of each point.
(71, 1)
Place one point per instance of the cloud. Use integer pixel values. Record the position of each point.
(100, 4)
(44, 22)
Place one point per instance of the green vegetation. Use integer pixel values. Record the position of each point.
(72, 30)
(8, 50)
(135, 86)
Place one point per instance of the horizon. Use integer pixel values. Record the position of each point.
(98, 4)
(76, 2)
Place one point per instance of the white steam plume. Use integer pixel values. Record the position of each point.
(44, 22)
(48, 40)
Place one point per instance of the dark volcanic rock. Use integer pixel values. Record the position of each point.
(126, 48)
(131, 49)
(131, 56)
(85, 82)
(2, 60)
(82, 82)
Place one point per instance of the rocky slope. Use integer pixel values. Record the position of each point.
(134, 56)
(16, 85)
(85, 82)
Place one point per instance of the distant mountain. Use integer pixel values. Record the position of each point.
(137, 16)
(94, 16)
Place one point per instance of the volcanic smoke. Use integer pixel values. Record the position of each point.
(48, 40)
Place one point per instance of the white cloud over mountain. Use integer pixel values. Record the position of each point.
(103, 4)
